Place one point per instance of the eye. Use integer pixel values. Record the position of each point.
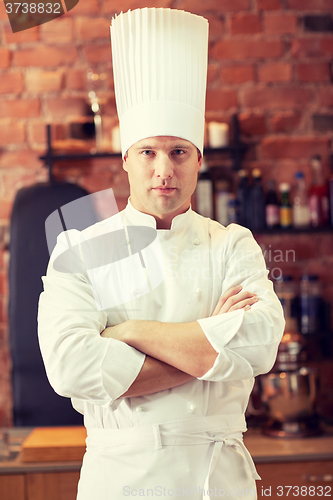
(146, 152)
(179, 152)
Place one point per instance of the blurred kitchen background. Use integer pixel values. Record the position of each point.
(270, 85)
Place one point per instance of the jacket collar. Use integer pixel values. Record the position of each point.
(137, 218)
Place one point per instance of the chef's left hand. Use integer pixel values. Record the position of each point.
(235, 298)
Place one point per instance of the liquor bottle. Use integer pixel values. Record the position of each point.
(272, 206)
(301, 208)
(257, 205)
(204, 192)
(243, 199)
(285, 207)
(330, 188)
(292, 349)
(287, 291)
(222, 197)
(310, 304)
(232, 209)
(318, 196)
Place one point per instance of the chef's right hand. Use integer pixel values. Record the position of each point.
(234, 299)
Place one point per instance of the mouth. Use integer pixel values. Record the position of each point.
(164, 190)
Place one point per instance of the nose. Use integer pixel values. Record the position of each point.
(163, 167)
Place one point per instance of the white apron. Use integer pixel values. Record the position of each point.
(198, 458)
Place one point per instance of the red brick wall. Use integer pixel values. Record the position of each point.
(265, 63)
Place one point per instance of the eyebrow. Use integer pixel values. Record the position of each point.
(149, 146)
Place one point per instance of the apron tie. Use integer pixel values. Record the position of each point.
(217, 430)
(218, 445)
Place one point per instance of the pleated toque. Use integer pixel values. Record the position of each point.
(160, 74)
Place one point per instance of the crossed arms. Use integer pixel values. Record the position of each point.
(146, 357)
(175, 352)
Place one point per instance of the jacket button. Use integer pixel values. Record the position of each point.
(191, 408)
(139, 409)
(196, 241)
(198, 291)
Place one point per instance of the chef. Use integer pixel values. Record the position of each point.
(159, 348)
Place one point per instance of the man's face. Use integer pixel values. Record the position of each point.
(162, 173)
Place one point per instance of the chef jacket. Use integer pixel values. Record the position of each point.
(202, 260)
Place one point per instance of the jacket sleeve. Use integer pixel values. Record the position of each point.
(79, 362)
(246, 342)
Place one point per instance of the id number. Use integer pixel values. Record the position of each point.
(33, 8)
(304, 491)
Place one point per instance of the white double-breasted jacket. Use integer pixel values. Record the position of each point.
(186, 437)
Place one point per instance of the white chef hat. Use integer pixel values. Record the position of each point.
(160, 74)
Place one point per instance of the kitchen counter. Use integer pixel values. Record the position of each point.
(288, 467)
(15, 465)
(264, 449)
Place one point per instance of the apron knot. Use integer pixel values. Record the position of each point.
(218, 445)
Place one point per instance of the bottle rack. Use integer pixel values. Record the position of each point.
(236, 151)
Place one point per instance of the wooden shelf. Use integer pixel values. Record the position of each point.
(294, 230)
(236, 151)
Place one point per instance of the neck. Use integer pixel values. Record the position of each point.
(163, 223)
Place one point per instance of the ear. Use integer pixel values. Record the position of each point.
(125, 164)
(199, 162)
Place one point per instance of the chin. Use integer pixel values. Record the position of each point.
(169, 206)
